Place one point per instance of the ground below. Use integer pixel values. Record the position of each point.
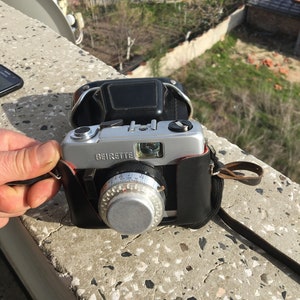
(272, 50)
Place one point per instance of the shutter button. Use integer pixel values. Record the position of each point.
(180, 126)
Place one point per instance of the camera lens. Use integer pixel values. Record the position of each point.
(131, 203)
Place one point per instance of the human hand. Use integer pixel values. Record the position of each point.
(24, 158)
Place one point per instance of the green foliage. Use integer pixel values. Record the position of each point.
(232, 98)
(240, 102)
(154, 26)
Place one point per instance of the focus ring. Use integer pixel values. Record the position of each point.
(131, 203)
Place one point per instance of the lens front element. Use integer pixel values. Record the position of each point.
(131, 203)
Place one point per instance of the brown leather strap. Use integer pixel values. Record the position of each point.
(229, 171)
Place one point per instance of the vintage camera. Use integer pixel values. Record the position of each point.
(134, 175)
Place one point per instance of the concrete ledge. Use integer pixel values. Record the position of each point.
(168, 262)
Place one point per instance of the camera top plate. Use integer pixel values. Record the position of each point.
(155, 143)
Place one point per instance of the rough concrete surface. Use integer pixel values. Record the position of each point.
(169, 262)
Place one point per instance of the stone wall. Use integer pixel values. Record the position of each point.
(273, 22)
(187, 51)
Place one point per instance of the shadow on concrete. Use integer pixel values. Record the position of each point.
(11, 286)
(42, 117)
(237, 238)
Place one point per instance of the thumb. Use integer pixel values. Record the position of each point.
(28, 162)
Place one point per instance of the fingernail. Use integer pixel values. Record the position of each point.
(46, 153)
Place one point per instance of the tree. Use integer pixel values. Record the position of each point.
(128, 25)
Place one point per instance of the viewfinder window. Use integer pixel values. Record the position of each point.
(149, 150)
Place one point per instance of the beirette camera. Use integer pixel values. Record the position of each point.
(141, 166)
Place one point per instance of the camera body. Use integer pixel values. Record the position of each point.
(102, 146)
(134, 176)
